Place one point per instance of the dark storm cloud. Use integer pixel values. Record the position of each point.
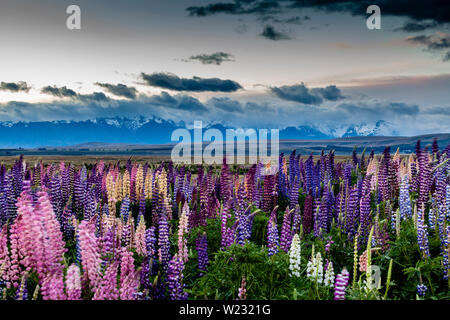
(14, 86)
(237, 7)
(437, 11)
(119, 90)
(300, 93)
(417, 26)
(58, 92)
(197, 84)
(270, 33)
(436, 42)
(216, 58)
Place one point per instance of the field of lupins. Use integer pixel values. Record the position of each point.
(372, 227)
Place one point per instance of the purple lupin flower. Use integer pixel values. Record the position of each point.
(125, 209)
(308, 214)
(296, 220)
(364, 219)
(175, 279)
(202, 251)
(150, 245)
(421, 290)
(272, 237)
(404, 199)
(163, 242)
(352, 213)
(424, 179)
(286, 235)
(422, 233)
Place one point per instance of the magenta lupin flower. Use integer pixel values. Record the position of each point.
(341, 284)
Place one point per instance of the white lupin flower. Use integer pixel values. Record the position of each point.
(294, 256)
(315, 268)
(329, 275)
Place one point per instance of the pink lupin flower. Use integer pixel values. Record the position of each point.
(73, 283)
(107, 288)
(90, 252)
(128, 276)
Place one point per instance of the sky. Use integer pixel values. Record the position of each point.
(244, 63)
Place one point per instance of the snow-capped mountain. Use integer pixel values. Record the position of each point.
(142, 130)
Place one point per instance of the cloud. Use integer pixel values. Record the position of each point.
(331, 118)
(331, 93)
(236, 8)
(180, 102)
(216, 58)
(96, 96)
(435, 42)
(377, 109)
(59, 92)
(14, 87)
(241, 29)
(411, 26)
(270, 33)
(437, 110)
(300, 93)
(119, 90)
(196, 84)
(226, 104)
(297, 20)
(414, 9)
(446, 57)
(418, 11)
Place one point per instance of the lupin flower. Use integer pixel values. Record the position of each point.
(286, 236)
(90, 252)
(404, 199)
(73, 283)
(242, 295)
(421, 290)
(129, 281)
(341, 284)
(272, 237)
(202, 250)
(314, 269)
(422, 234)
(294, 256)
(182, 230)
(175, 279)
(163, 242)
(107, 288)
(329, 275)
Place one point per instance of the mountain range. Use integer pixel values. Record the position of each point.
(145, 131)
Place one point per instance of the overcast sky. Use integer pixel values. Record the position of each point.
(245, 62)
